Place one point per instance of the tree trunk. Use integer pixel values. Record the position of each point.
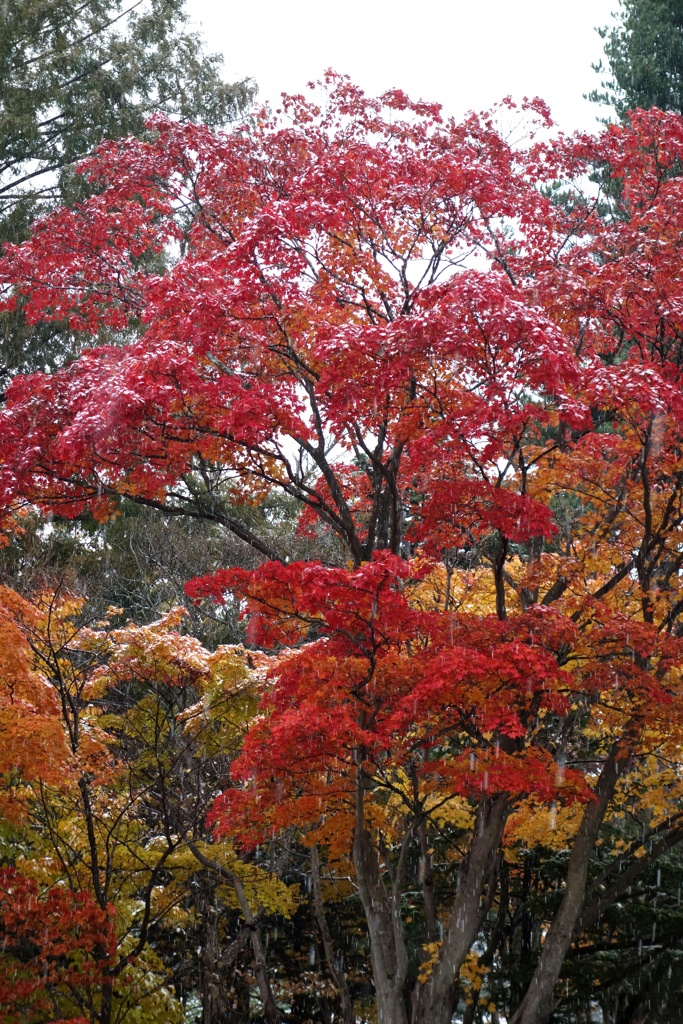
(107, 1004)
(387, 947)
(436, 1000)
(538, 1002)
(337, 973)
(427, 880)
(271, 1013)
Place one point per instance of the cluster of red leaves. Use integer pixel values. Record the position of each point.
(452, 698)
(287, 289)
(48, 939)
(282, 290)
(460, 512)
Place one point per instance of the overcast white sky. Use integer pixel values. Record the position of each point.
(466, 54)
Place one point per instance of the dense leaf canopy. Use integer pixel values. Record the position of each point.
(463, 360)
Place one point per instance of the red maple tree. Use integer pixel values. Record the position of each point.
(461, 357)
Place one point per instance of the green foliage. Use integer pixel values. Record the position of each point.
(645, 57)
(70, 76)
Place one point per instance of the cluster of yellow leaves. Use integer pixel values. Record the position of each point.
(265, 892)
(472, 973)
(66, 732)
(146, 994)
(533, 825)
(432, 949)
(472, 976)
(471, 592)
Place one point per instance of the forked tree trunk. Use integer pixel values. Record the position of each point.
(387, 948)
(271, 1013)
(539, 1001)
(436, 1000)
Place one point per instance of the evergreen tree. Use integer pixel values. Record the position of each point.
(70, 76)
(644, 52)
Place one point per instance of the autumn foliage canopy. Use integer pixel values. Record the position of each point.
(462, 357)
